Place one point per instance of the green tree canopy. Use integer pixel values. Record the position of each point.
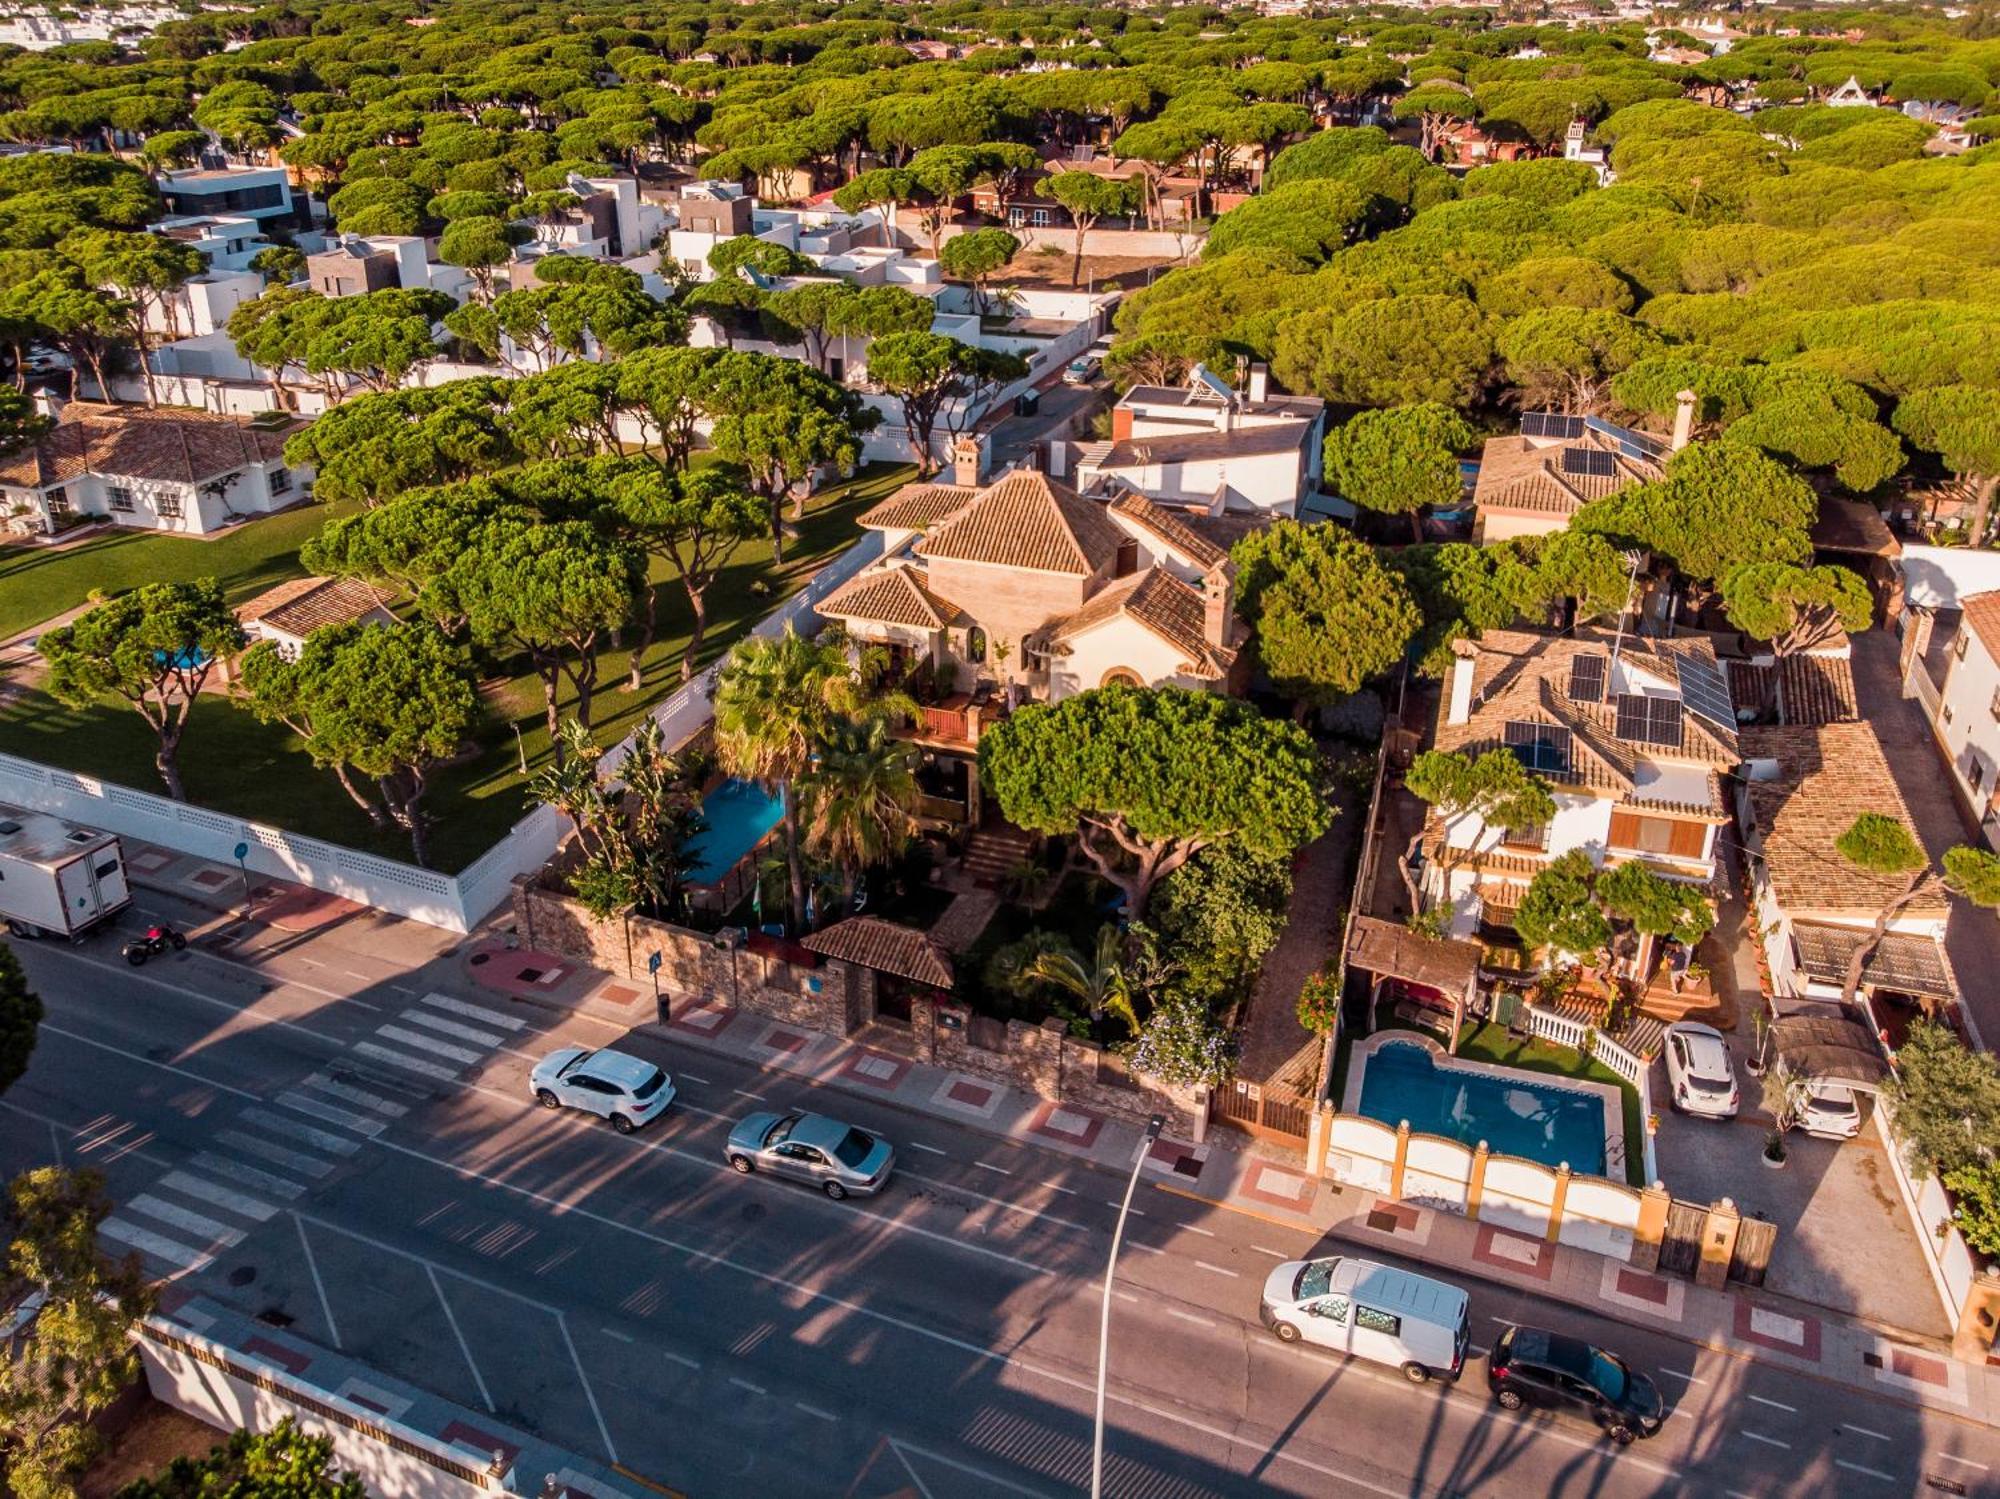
(1560, 909)
(1400, 460)
(1793, 606)
(1328, 615)
(1718, 508)
(282, 1463)
(20, 1019)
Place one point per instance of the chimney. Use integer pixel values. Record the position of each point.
(1215, 591)
(1683, 419)
(1460, 708)
(1260, 383)
(968, 461)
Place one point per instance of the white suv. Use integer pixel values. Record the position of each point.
(611, 1084)
(1699, 1072)
(1831, 1111)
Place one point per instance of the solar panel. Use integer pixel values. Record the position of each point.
(1592, 461)
(1586, 679)
(1550, 424)
(1631, 444)
(1706, 692)
(1539, 746)
(1649, 720)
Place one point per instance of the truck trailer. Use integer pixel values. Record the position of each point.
(58, 879)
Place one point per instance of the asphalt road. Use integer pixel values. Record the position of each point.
(350, 1145)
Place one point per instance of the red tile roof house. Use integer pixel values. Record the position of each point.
(160, 469)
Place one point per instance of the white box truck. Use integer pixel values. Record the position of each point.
(57, 879)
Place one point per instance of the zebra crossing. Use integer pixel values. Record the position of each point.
(271, 1154)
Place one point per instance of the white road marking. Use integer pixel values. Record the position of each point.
(404, 989)
(1862, 1431)
(157, 1245)
(1673, 1373)
(1776, 1405)
(989, 1166)
(472, 1012)
(1680, 1412)
(359, 1096)
(680, 1358)
(1000, 1202)
(1114, 1204)
(407, 1063)
(744, 1384)
(583, 1378)
(1758, 1436)
(1963, 1462)
(451, 1028)
(1189, 1317)
(927, 1149)
(1841, 1462)
(253, 1208)
(312, 1264)
(1206, 1233)
(245, 1176)
(613, 1333)
(1143, 1248)
(319, 1108)
(464, 1348)
(1276, 1254)
(745, 1093)
(291, 1160)
(1059, 1187)
(813, 1410)
(133, 1056)
(430, 1044)
(1218, 1270)
(689, 1077)
(1124, 1295)
(319, 1139)
(179, 1217)
(987, 1479)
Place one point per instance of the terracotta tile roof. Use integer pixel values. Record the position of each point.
(1828, 774)
(1162, 524)
(1981, 614)
(917, 507)
(1196, 447)
(134, 442)
(1815, 689)
(886, 947)
(1163, 604)
(1519, 676)
(891, 596)
(1516, 475)
(1028, 520)
(303, 605)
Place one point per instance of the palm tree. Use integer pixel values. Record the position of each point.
(1108, 986)
(777, 703)
(858, 797)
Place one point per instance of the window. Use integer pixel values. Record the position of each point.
(1975, 774)
(1333, 1308)
(58, 502)
(1374, 1321)
(1958, 646)
(108, 867)
(1945, 713)
(975, 646)
(1535, 838)
(1994, 706)
(1041, 218)
(280, 480)
(1658, 835)
(119, 495)
(168, 504)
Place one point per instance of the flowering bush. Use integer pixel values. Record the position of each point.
(1181, 1044)
(1319, 1003)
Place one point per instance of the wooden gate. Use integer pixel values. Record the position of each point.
(1680, 1243)
(1280, 1108)
(1755, 1239)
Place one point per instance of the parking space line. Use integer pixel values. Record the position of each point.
(312, 1264)
(463, 1347)
(1206, 1233)
(1142, 1248)
(1059, 1187)
(589, 1394)
(1841, 1462)
(689, 1077)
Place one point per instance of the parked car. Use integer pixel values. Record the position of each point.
(1083, 370)
(1370, 1311)
(1831, 1111)
(840, 1160)
(614, 1085)
(1529, 1366)
(1699, 1071)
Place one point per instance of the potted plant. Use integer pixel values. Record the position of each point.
(1760, 1021)
(1784, 1100)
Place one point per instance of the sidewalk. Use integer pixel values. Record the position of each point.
(1235, 1175)
(276, 903)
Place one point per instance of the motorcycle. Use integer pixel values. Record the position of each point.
(157, 940)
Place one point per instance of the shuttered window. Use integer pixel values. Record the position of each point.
(1658, 835)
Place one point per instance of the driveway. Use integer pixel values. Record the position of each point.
(1065, 412)
(1845, 1241)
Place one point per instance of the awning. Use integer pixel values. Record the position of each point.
(1902, 961)
(1389, 950)
(1829, 1048)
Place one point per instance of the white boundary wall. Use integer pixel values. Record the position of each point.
(454, 902)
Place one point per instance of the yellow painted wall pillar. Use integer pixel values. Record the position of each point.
(1651, 1230)
(1402, 1158)
(1475, 1187)
(1556, 1203)
(1718, 1245)
(1978, 1321)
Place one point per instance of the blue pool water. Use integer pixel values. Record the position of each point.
(1540, 1121)
(739, 814)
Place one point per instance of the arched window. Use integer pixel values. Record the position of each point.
(975, 646)
(1121, 676)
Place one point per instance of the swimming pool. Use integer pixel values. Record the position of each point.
(739, 815)
(1468, 1102)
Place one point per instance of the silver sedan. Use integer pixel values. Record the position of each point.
(839, 1159)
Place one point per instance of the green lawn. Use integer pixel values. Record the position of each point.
(38, 584)
(234, 764)
(1491, 1043)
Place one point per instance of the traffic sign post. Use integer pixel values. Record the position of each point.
(243, 867)
(653, 968)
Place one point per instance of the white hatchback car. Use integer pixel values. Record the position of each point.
(611, 1084)
(1699, 1071)
(1831, 1111)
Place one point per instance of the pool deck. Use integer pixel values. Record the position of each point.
(1611, 1098)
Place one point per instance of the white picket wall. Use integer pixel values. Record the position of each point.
(455, 902)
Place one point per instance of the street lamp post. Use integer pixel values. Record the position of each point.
(1153, 1127)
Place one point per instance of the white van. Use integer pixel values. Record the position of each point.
(1366, 1310)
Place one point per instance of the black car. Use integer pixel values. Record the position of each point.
(1532, 1367)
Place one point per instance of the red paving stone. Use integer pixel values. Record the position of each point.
(1914, 1366)
(1774, 1333)
(1278, 1187)
(473, 1438)
(1642, 1287)
(1070, 1125)
(294, 908)
(783, 1040)
(1393, 1218)
(706, 1020)
(210, 879)
(1516, 1252)
(972, 1095)
(618, 994)
(876, 1068)
(277, 1353)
